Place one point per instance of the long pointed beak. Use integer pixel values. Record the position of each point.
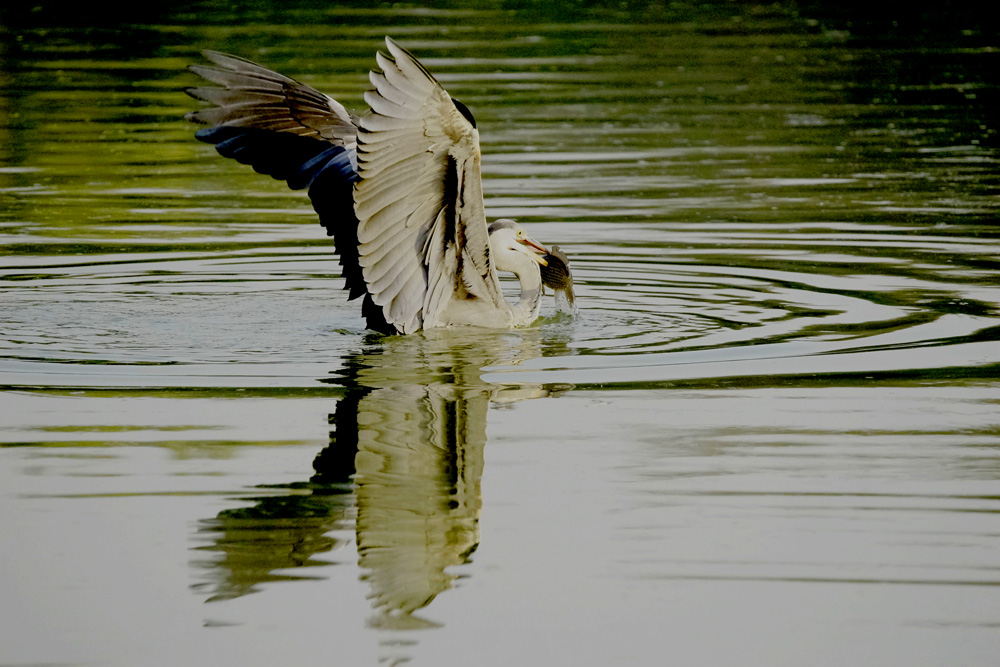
(535, 250)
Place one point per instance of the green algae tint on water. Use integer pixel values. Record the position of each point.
(771, 436)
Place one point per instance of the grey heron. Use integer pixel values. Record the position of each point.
(398, 188)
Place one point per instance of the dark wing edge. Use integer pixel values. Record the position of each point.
(294, 133)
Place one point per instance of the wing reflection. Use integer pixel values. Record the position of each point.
(419, 431)
(267, 541)
(419, 465)
(409, 433)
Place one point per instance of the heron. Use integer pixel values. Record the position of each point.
(399, 189)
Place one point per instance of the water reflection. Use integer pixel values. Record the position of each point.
(267, 541)
(405, 460)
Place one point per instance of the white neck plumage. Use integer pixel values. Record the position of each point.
(527, 308)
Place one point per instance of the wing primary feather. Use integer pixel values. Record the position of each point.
(408, 64)
(389, 91)
(399, 189)
(291, 132)
(395, 77)
(385, 107)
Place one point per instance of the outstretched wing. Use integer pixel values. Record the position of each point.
(254, 96)
(422, 225)
(291, 132)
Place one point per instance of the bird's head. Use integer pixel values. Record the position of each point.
(509, 243)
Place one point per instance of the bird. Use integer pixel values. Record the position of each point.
(399, 188)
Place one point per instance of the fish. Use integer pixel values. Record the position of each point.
(557, 276)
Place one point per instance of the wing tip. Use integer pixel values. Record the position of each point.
(399, 53)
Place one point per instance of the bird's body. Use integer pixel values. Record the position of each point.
(399, 189)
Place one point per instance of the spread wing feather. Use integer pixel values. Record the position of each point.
(254, 96)
(293, 133)
(400, 189)
(422, 231)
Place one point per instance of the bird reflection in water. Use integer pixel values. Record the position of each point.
(405, 461)
(275, 538)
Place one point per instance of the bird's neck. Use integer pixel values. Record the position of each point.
(527, 308)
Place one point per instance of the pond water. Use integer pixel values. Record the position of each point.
(771, 436)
